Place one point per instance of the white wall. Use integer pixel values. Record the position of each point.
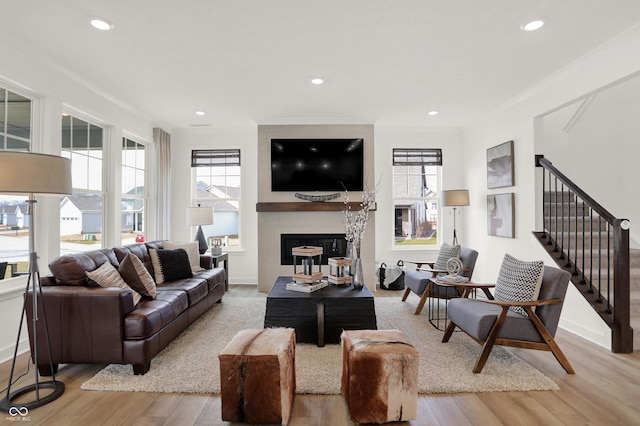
(243, 262)
(517, 121)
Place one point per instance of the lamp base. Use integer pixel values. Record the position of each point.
(58, 389)
(202, 241)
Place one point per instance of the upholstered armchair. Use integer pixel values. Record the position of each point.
(419, 281)
(530, 324)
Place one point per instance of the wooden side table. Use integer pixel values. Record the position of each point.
(223, 258)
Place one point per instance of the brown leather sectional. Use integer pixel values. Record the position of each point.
(96, 325)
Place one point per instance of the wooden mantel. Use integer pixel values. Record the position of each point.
(306, 206)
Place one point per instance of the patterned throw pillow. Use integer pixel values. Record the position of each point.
(518, 281)
(136, 275)
(447, 251)
(170, 265)
(108, 276)
(191, 249)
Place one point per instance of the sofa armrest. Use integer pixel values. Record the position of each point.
(206, 261)
(86, 324)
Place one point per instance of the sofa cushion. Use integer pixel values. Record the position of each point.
(150, 316)
(170, 265)
(518, 281)
(71, 269)
(139, 250)
(191, 249)
(108, 276)
(137, 276)
(196, 288)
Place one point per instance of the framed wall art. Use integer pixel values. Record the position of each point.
(501, 213)
(500, 166)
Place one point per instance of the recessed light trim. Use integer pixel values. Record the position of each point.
(432, 113)
(534, 25)
(101, 24)
(201, 113)
(317, 81)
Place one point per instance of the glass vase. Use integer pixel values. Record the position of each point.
(358, 278)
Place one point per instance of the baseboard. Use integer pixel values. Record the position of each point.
(6, 353)
(601, 339)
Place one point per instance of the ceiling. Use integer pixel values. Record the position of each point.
(244, 62)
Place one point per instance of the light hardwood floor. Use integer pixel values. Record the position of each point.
(604, 391)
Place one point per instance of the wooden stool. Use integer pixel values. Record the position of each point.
(257, 376)
(379, 376)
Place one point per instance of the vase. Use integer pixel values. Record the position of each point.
(358, 278)
(351, 254)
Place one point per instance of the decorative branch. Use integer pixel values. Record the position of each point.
(355, 222)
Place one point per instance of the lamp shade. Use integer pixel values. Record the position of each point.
(199, 216)
(38, 174)
(455, 197)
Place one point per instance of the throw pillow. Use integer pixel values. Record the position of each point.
(108, 276)
(447, 251)
(170, 265)
(136, 275)
(518, 281)
(191, 249)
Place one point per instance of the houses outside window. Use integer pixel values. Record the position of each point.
(216, 183)
(415, 196)
(15, 135)
(82, 142)
(134, 197)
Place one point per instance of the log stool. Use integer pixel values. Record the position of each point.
(257, 376)
(379, 376)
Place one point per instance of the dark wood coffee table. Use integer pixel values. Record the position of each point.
(320, 317)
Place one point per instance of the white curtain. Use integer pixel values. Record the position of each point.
(162, 140)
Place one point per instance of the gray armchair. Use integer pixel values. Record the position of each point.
(491, 322)
(419, 281)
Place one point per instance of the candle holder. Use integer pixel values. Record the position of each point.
(309, 255)
(338, 273)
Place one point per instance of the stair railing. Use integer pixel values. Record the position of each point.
(588, 241)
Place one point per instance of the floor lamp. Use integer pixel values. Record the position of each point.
(32, 174)
(455, 198)
(198, 216)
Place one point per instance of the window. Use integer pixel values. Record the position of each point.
(217, 184)
(15, 135)
(415, 195)
(133, 190)
(82, 143)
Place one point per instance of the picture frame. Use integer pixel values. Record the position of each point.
(500, 167)
(501, 213)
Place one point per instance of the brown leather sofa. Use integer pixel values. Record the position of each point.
(96, 325)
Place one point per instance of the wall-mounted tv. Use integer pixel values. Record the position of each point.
(317, 164)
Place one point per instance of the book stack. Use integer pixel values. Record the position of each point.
(306, 287)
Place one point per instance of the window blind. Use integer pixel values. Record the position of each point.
(215, 157)
(417, 157)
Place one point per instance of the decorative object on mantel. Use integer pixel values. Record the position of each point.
(308, 253)
(317, 198)
(354, 224)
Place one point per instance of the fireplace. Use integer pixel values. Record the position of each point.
(333, 245)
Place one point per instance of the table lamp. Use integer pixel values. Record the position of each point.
(33, 174)
(198, 216)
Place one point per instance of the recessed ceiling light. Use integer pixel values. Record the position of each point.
(433, 113)
(101, 24)
(317, 81)
(533, 25)
(201, 113)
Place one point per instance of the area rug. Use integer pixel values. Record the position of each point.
(190, 363)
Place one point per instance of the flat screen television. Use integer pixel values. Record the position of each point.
(317, 164)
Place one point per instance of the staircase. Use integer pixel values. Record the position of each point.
(585, 239)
